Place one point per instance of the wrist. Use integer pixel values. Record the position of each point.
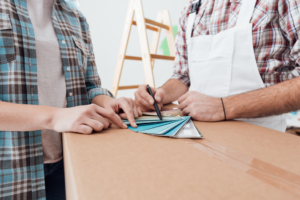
(220, 115)
(102, 100)
(224, 111)
(51, 117)
(230, 112)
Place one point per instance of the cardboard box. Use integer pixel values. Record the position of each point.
(236, 160)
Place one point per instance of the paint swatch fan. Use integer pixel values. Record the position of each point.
(169, 126)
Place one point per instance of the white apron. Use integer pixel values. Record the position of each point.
(224, 64)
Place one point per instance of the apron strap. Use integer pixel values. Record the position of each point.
(192, 17)
(246, 12)
(190, 26)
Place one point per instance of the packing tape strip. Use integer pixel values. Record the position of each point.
(270, 174)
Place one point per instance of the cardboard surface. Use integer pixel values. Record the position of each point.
(122, 164)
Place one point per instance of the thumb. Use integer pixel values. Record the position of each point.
(159, 95)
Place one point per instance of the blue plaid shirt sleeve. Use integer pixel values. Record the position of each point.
(92, 80)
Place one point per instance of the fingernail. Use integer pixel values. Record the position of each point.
(151, 101)
(158, 98)
(134, 124)
(124, 125)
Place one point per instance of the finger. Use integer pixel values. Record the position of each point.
(84, 129)
(99, 118)
(183, 104)
(144, 104)
(160, 106)
(139, 111)
(186, 112)
(183, 97)
(105, 123)
(112, 116)
(135, 112)
(94, 124)
(129, 113)
(143, 93)
(135, 109)
(123, 116)
(159, 95)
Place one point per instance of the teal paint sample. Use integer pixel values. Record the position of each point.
(162, 129)
(152, 119)
(164, 45)
(143, 127)
(175, 127)
(175, 130)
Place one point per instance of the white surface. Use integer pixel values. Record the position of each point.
(293, 120)
(106, 20)
(189, 131)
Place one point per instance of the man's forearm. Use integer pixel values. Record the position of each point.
(274, 100)
(173, 90)
(19, 117)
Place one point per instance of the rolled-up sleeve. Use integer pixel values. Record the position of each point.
(290, 24)
(181, 67)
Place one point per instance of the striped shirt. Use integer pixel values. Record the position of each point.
(276, 26)
(21, 154)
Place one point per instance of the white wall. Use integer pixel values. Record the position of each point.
(106, 19)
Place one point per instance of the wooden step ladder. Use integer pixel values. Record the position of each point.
(163, 21)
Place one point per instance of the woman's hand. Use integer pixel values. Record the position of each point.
(125, 108)
(84, 119)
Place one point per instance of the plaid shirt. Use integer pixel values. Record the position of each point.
(21, 154)
(276, 26)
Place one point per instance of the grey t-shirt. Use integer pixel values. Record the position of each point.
(51, 79)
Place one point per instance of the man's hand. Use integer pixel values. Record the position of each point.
(144, 100)
(84, 119)
(128, 106)
(201, 107)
